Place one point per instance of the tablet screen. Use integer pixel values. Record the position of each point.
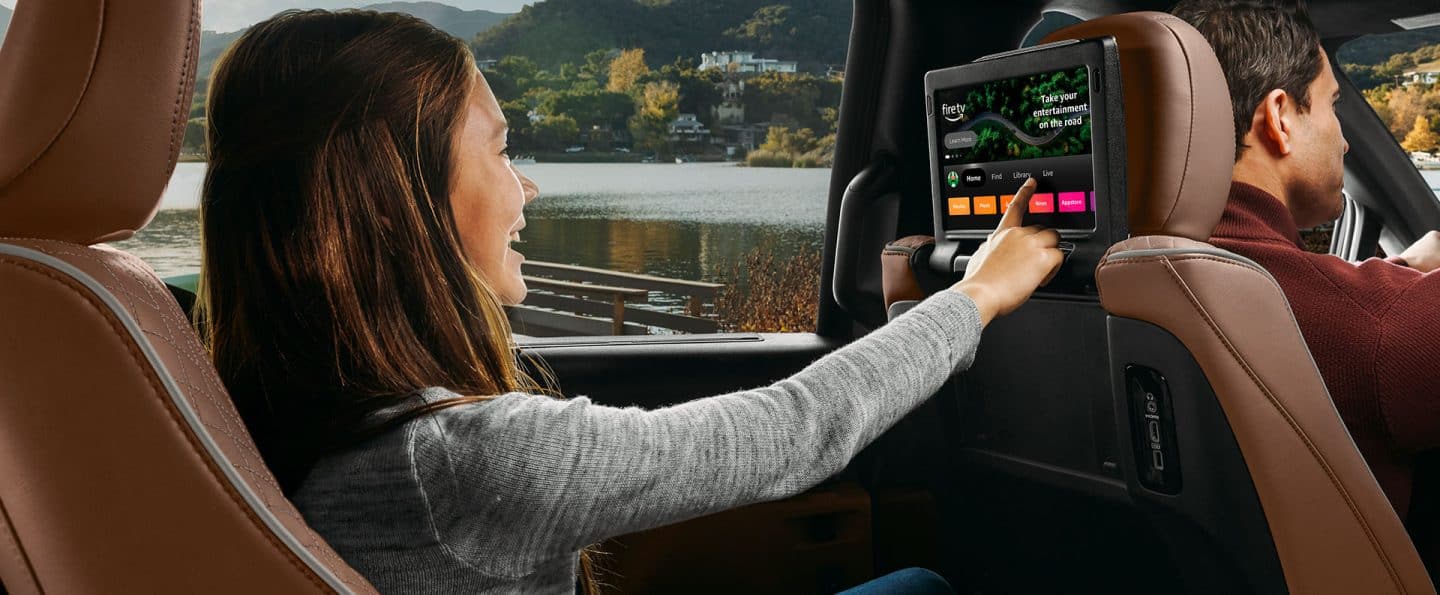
(993, 135)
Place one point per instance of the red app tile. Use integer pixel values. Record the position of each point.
(1042, 203)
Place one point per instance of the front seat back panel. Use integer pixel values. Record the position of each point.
(130, 470)
(127, 468)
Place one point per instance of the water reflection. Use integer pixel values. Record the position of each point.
(691, 221)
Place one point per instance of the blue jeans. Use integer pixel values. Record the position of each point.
(910, 581)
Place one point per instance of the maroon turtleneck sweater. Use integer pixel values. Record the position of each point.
(1373, 329)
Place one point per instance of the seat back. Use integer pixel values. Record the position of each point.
(1332, 528)
(126, 467)
(1101, 436)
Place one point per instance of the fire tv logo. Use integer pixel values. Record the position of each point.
(952, 113)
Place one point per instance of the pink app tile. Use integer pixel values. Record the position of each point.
(1072, 202)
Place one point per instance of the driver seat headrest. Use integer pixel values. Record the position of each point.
(1180, 136)
(70, 169)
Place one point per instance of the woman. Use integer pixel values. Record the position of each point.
(358, 214)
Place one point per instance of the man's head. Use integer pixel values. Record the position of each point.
(1283, 95)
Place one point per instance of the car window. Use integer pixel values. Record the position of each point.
(682, 158)
(1399, 75)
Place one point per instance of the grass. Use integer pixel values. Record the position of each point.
(779, 295)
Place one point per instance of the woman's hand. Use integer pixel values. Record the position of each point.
(1012, 263)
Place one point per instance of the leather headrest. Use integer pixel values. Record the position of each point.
(1180, 137)
(94, 97)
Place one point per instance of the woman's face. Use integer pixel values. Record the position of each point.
(488, 195)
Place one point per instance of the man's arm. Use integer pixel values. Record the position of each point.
(1423, 255)
(1407, 365)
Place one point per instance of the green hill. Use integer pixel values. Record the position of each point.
(811, 32)
(464, 24)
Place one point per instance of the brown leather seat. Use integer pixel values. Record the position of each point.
(1164, 292)
(126, 468)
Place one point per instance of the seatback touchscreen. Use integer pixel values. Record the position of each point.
(993, 134)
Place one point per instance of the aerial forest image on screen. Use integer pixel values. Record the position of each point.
(1039, 115)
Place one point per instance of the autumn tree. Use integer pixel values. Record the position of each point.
(1406, 104)
(1422, 136)
(626, 69)
(655, 108)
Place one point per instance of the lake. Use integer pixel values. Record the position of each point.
(686, 221)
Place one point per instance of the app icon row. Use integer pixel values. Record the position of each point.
(1041, 202)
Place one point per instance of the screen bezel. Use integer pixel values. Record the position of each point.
(1041, 59)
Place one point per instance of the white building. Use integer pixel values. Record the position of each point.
(688, 127)
(1424, 74)
(735, 61)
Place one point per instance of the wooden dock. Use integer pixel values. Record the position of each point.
(569, 300)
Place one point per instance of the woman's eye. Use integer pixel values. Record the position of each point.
(505, 152)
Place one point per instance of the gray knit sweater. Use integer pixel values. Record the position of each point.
(499, 497)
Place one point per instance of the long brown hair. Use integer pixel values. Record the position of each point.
(333, 280)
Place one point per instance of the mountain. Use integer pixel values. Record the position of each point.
(464, 24)
(4, 22)
(811, 32)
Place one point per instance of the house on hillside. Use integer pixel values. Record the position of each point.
(1424, 74)
(745, 62)
(688, 128)
(731, 109)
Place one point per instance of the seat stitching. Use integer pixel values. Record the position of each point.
(187, 80)
(1285, 413)
(156, 391)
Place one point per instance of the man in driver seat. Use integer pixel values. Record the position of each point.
(1371, 326)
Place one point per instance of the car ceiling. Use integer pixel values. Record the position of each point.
(1334, 18)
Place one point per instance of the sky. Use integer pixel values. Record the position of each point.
(229, 15)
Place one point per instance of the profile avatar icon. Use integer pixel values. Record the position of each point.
(953, 178)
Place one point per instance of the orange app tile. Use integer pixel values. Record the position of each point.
(1005, 201)
(960, 205)
(985, 205)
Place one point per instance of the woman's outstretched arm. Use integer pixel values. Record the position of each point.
(540, 478)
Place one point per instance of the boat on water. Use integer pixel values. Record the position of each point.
(523, 160)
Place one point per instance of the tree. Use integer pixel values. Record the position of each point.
(556, 132)
(590, 108)
(1406, 104)
(194, 142)
(521, 137)
(626, 69)
(655, 109)
(597, 65)
(1422, 136)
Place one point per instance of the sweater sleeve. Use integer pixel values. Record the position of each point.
(1407, 365)
(537, 477)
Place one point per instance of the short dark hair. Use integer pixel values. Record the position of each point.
(1262, 45)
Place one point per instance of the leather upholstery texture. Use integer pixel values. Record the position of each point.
(126, 467)
(900, 266)
(1180, 135)
(1333, 528)
(94, 97)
